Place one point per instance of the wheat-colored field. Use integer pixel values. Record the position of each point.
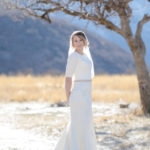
(105, 88)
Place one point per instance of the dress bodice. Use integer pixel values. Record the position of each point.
(79, 67)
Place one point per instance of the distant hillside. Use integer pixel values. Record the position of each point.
(31, 45)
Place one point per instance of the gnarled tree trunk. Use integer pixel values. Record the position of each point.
(138, 50)
(143, 79)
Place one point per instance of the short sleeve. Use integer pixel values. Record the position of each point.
(71, 65)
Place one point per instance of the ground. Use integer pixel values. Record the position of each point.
(36, 125)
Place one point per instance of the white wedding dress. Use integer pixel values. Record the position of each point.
(79, 133)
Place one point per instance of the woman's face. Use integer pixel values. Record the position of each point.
(77, 43)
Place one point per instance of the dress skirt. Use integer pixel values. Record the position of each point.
(79, 133)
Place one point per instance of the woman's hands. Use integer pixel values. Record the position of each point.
(68, 95)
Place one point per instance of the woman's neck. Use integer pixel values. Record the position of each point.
(80, 52)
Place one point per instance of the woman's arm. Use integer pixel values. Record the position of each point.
(68, 84)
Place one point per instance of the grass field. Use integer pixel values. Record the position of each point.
(105, 88)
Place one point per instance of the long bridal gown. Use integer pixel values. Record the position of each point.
(79, 133)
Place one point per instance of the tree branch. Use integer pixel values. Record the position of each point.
(144, 20)
(108, 24)
(96, 18)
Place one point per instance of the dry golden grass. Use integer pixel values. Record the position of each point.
(51, 88)
(111, 88)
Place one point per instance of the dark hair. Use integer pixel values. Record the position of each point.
(80, 34)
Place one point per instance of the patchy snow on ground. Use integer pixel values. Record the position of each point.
(38, 126)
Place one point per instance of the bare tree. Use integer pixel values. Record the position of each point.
(101, 12)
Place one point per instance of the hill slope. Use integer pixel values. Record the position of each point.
(31, 45)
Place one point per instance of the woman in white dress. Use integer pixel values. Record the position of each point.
(79, 133)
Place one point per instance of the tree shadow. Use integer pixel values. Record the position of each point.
(107, 140)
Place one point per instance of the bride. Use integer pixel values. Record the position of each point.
(79, 133)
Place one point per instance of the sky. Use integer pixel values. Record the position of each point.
(139, 8)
